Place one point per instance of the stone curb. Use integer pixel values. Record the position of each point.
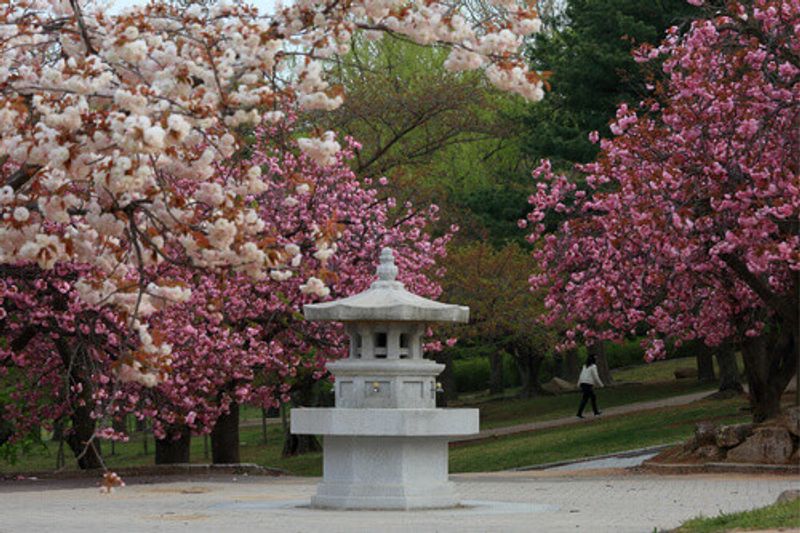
(250, 469)
(627, 453)
(722, 468)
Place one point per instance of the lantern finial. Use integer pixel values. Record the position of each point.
(387, 270)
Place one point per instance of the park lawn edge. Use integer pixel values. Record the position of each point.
(604, 435)
(777, 515)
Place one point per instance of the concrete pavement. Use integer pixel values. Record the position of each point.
(593, 501)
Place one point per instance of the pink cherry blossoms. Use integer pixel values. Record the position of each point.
(688, 220)
(240, 341)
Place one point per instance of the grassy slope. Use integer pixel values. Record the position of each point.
(639, 383)
(599, 436)
(662, 370)
(778, 515)
(518, 411)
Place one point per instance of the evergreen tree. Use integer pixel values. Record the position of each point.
(590, 56)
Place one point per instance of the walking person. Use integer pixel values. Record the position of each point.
(588, 379)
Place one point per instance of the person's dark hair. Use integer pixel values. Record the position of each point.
(591, 360)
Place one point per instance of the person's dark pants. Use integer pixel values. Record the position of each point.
(588, 394)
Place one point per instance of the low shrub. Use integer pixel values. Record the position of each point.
(473, 374)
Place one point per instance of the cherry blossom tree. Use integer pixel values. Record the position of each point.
(57, 356)
(687, 223)
(111, 125)
(237, 340)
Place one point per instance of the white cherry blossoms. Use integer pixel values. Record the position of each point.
(316, 287)
(322, 150)
(492, 45)
(117, 152)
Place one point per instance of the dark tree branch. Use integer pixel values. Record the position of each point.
(24, 338)
(22, 175)
(782, 306)
(76, 8)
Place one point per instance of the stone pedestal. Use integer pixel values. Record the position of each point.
(385, 458)
(385, 473)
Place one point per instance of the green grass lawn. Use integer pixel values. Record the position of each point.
(656, 372)
(662, 370)
(512, 411)
(605, 435)
(778, 515)
(252, 450)
(42, 458)
(597, 437)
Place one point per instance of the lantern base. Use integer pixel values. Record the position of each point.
(385, 458)
(384, 473)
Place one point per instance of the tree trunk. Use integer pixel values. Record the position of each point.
(296, 444)
(300, 444)
(705, 364)
(558, 365)
(572, 367)
(263, 426)
(305, 394)
(728, 369)
(598, 349)
(58, 430)
(225, 437)
(770, 362)
(496, 373)
(79, 439)
(6, 430)
(174, 451)
(523, 365)
(529, 363)
(120, 424)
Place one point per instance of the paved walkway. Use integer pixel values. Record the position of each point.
(573, 420)
(623, 460)
(591, 501)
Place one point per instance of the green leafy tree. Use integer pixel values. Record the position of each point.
(503, 311)
(589, 56)
(440, 137)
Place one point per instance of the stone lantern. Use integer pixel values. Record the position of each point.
(385, 443)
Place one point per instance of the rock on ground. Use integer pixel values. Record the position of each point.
(730, 436)
(771, 445)
(788, 496)
(685, 373)
(791, 419)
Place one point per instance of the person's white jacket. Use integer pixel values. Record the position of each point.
(590, 376)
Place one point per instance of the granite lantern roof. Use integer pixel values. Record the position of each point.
(386, 300)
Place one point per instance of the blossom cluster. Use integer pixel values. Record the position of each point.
(240, 341)
(687, 222)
